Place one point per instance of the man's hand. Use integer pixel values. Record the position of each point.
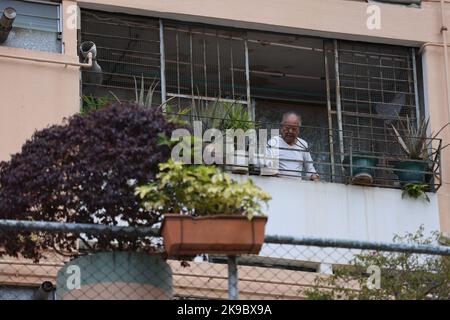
(314, 177)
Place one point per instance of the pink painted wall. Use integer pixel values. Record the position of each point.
(36, 94)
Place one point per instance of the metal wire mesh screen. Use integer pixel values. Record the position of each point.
(128, 50)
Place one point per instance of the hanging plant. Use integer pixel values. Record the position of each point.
(416, 191)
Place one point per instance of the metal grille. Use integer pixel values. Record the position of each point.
(355, 90)
(128, 48)
(377, 89)
(204, 62)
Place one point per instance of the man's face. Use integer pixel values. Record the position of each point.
(290, 129)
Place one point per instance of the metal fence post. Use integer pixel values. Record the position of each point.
(233, 292)
(162, 63)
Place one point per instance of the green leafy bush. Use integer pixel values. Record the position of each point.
(403, 275)
(201, 190)
(83, 171)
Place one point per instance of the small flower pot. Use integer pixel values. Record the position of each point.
(362, 171)
(185, 235)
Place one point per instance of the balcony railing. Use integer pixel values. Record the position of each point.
(337, 156)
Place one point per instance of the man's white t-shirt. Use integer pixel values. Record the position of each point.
(293, 160)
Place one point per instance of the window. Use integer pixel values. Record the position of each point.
(37, 26)
(349, 94)
(203, 61)
(287, 73)
(127, 51)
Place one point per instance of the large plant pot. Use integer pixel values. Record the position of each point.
(416, 171)
(223, 234)
(115, 275)
(362, 173)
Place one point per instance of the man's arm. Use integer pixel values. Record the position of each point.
(308, 164)
(272, 152)
(311, 172)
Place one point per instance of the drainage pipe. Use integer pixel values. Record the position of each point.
(6, 23)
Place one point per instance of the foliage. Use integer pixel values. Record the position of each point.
(143, 99)
(414, 142)
(237, 117)
(221, 115)
(201, 190)
(415, 191)
(408, 276)
(146, 99)
(83, 171)
(177, 117)
(91, 103)
(210, 113)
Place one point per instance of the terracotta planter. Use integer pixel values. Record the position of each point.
(223, 234)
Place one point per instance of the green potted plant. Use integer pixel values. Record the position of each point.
(237, 117)
(205, 211)
(223, 116)
(415, 169)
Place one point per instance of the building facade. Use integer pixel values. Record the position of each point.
(349, 67)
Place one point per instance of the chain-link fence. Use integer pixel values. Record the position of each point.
(286, 268)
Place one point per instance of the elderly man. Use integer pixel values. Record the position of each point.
(288, 153)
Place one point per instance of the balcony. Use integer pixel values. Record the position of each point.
(336, 156)
(344, 204)
(348, 93)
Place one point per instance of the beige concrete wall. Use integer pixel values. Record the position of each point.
(433, 64)
(36, 94)
(331, 18)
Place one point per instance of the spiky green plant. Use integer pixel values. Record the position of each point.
(142, 97)
(221, 115)
(237, 117)
(91, 103)
(210, 113)
(415, 142)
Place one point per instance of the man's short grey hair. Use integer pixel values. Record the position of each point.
(291, 113)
